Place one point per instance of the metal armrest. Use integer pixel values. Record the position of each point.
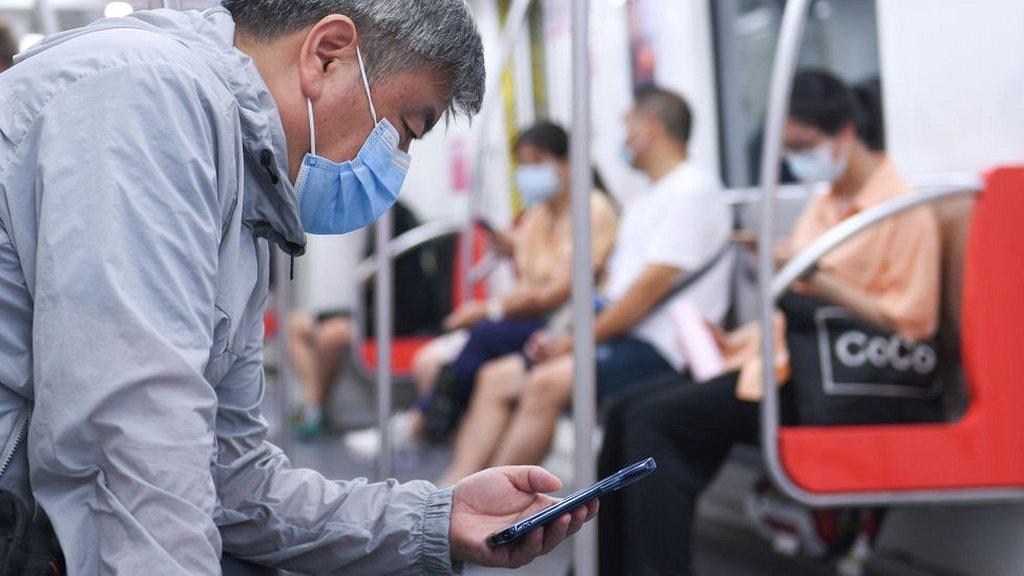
(928, 193)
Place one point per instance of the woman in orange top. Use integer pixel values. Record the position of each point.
(887, 276)
(541, 247)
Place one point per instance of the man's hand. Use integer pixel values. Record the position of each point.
(466, 316)
(494, 499)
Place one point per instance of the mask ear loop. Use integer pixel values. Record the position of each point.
(312, 127)
(366, 85)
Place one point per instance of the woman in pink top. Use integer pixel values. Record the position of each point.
(887, 276)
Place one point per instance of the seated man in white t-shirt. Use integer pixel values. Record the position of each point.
(676, 228)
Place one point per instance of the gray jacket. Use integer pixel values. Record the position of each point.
(143, 176)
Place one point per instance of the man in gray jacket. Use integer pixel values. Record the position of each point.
(146, 167)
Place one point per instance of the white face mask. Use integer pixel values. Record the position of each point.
(538, 183)
(818, 164)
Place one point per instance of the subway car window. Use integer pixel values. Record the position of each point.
(841, 36)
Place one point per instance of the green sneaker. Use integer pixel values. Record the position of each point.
(310, 429)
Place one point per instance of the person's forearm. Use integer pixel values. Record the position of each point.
(619, 318)
(643, 296)
(856, 301)
(527, 302)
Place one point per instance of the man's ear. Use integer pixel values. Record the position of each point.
(330, 41)
(650, 128)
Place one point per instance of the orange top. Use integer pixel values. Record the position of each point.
(543, 248)
(897, 261)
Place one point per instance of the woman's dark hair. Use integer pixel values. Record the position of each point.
(823, 101)
(546, 136)
(872, 117)
(553, 139)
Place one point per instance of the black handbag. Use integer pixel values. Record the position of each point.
(846, 372)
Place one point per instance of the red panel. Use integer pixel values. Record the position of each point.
(479, 251)
(986, 448)
(403, 351)
(403, 348)
(269, 324)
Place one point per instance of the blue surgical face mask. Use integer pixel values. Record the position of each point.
(537, 183)
(817, 164)
(627, 155)
(339, 198)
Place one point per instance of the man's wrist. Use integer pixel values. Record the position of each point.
(437, 558)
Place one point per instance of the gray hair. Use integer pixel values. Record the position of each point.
(395, 36)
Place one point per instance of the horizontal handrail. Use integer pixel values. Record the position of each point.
(409, 241)
(861, 221)
(755, 194)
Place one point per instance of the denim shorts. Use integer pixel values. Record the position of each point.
(625, 362)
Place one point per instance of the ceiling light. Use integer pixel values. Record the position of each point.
(117, 10)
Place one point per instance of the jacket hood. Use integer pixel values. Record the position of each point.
(273, 210)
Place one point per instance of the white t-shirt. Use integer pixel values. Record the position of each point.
(682, 222)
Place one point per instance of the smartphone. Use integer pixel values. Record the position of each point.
(612, 483)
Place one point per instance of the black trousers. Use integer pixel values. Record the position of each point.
(689, 429)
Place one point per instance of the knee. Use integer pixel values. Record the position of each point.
(501, 379)
(334, 336)
(300, 327)
(547, 389)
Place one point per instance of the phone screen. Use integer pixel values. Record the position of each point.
(616, 481)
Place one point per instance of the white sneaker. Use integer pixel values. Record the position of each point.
(365, 444)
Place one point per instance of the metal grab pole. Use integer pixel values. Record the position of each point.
(517, 16)
(173, 4)
(283, 299)
(47, 17)
(786, 56)
(384, 325)
(584, 394)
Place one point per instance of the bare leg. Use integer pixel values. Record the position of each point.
(426, 365)
(498, 385)
(303, 355)
(431, 358)
(545, 397)
(332, 338)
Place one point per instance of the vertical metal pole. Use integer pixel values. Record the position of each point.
(47, 17)
(786, 58)
(283, 300)
(584, 394)
(517, 17)
(173, 4)
(384, 325)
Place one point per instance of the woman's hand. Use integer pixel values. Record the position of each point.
(466, 316)
(542, 346)
(492, 500)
